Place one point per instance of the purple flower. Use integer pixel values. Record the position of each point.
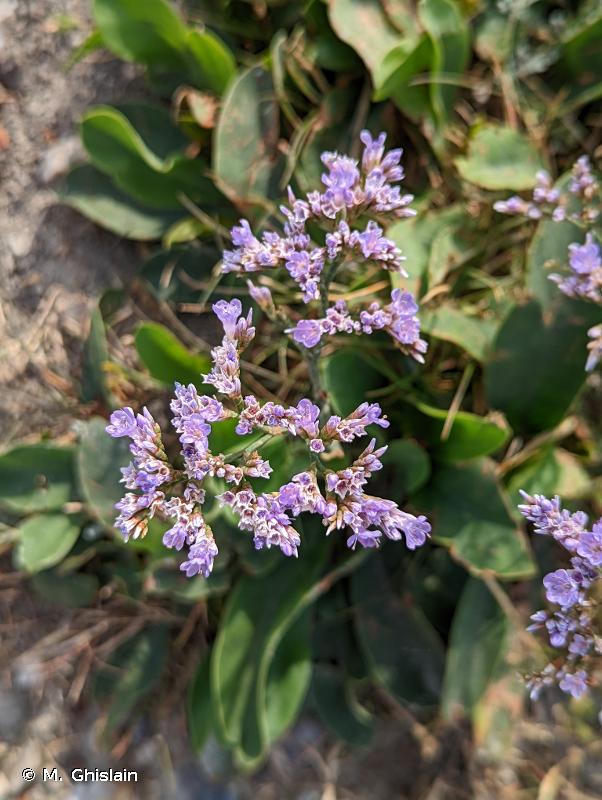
(307, 332)
(261, 295)
(594, 347)
(589, 545)
(228, 314)
(200, 557)
(585, 258)
(364, 538)
(561, 588)
(580, 645)
(574, 684)
(123, 423)
(175, 537)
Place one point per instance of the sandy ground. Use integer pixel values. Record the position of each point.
(53, 262)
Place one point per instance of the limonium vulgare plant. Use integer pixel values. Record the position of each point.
(581, 204)
(156, 486)
(572, 626)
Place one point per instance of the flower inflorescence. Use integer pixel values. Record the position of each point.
(585, 260)
(157, 486)
(345, 214)
(570, 625)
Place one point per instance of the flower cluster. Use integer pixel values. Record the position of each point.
(353, 190)
(398, 319)
(178, 494)
(570, 625)
(585, 260)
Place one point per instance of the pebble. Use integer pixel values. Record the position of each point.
(59, 158)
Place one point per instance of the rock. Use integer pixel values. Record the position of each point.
(14, 714)
(59, 158)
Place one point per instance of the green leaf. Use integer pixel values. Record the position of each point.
(246, 160)
(345, 394)
(473, 334)
(139, 664)
(166, 358)
(167, 271)
(364, 26)
(500, 157)
(45, 539)
(171, 582)
(395, 72)
(252, 628)
(288, 678)
(580, 63)
(185, 230)
(415, 237)
(95, 356)
(338, 708)
(549, 249)
(98, 460)
(93, 194)
(151, 167)
(91, 44)
(551, 471)
(36, 477)
(543, 354)
(469, 514)
(470, 436)
(477, 646)
(404, 652)
(331, 134)
(150, 33)
(212, 62)
(199, 713)
(407, 467)
(450, 38)
(73, 590)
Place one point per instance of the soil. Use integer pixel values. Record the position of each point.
(53, 262)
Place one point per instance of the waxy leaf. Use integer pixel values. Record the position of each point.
(551, 471)
(288, 679)
(151, 33)
(476, 649)
(548, 253)
(36, 477)
(345, 394)
(465, 506)
(364, 26)
(199, 713)
(99, 458)
(95, 196)
(167, 359)
(143, 152)
(500, 158)
(538, 364)
(140, 664)
(338, 708)
(403, 651)
(246, 160)
(407, 467)
(470, 436)
(473, 334)
(45, 539)
(254, 626)
(95, 356)
(71, 590)
(450, 38)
